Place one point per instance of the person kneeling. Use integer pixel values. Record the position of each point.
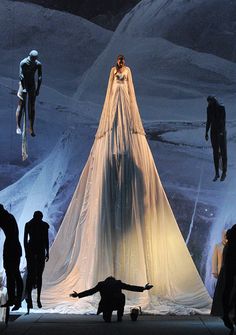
(112, 298)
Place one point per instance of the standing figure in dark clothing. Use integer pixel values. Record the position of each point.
(229, 298)
(37, 252)
(112, 298)
(28, 67)
(11, 258)
(216, 121)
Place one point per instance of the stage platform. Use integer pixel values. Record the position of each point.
(61, 324)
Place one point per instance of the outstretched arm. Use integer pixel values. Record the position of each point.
(136, 288)
(84, 293)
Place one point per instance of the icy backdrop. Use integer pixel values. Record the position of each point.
(179, 51)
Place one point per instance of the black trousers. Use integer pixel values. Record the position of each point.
(219, 146)
(14, 280)
(117, 305)
(35, 267)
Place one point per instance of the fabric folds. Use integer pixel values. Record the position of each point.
(120, 223)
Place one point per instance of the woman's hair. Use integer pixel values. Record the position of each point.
(122, 57)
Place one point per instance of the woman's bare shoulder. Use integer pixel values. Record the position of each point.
(113, 70)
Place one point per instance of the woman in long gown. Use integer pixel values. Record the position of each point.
(119, 221)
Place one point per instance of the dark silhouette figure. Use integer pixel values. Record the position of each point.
(229, 299)
(112, 298)
(216, 121)
(28, 67)
(218, 273)
(37, 252)
(11, 258)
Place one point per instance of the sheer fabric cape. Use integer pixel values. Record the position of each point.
(108, 112)
(120, 223)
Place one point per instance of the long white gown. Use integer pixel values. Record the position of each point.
(120, 223)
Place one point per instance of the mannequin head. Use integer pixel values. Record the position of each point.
(33, 55)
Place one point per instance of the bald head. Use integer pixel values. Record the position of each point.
(33, 55)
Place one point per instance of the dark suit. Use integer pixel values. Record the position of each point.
(216, 121)
(112, 297)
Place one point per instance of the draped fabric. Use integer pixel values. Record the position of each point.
(109, 109)
(119, 221)
(24, 135)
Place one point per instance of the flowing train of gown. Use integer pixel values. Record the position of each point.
(119, 221)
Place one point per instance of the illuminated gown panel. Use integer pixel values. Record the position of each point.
(119, 221)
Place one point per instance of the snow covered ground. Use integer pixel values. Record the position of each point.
(172, 82)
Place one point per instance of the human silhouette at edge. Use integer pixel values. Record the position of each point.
(11, 259)
(218, 273)
(36, 246)
(112, 298)
(216, 122)
(229, 298)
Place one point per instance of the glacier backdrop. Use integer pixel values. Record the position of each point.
(178, 56)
